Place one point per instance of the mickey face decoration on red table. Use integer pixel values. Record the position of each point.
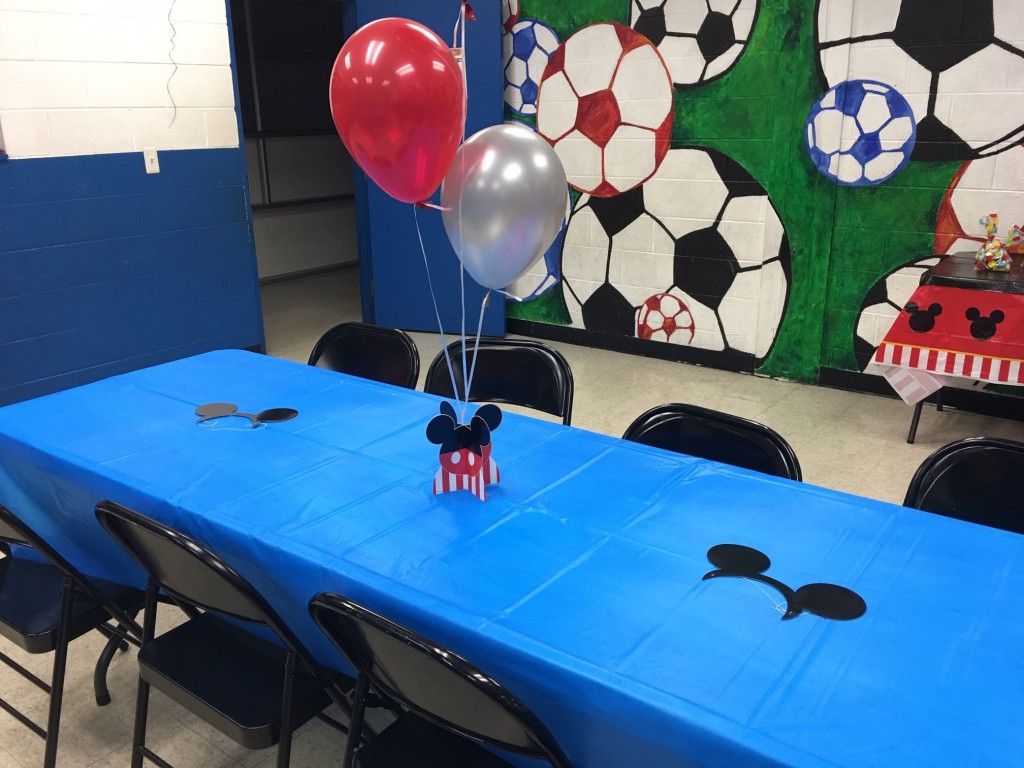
(465, 453)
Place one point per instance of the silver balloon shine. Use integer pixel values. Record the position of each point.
(507, 193)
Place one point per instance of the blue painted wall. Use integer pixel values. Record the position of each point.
(105, 269)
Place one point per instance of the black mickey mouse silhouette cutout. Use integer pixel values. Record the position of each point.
(922, 320)
(829, 601)
(219, 410)
(984, 328)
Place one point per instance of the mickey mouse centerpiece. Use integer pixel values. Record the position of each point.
(465, 454)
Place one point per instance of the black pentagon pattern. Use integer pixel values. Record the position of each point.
(937, 141)
(608, 311)
(651, 24)
(735, 177)
(618, 212)
(705, 266)
(715, 36)
(863, 351)
(940, 34)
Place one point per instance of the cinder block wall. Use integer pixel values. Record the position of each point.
(104, 267)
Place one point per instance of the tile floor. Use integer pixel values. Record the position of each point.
(850, 442)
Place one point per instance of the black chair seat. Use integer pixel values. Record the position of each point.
(413, 741)
(237, 688)
(30, 604)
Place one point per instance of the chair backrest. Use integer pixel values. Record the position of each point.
(189, 572)
(717, 436)
(514, 371)
(433, 681)
(370, 352)
(974, 480)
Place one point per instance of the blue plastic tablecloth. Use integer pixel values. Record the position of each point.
(577, 584)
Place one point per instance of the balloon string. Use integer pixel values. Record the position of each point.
(433, 299)
(460, 40)
(476, 348)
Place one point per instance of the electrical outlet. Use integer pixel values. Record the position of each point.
(152, 162)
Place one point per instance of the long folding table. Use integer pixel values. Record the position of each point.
(577, 584)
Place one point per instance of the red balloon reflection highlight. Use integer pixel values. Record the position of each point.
(399, 104)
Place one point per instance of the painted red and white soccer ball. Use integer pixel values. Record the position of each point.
(665, 317)
(986, 185)
(509, 14)
(605, 105)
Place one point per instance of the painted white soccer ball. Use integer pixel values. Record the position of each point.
(605, 105)
(883, 304)
(700, 41)
(701, 229)
(949, 60)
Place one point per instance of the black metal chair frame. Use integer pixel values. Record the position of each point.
(939, 463)
(438, 379)
(123, 525)
(916, 417)
(379, 333)
(328, 607)
(76, 589)
(786, 463)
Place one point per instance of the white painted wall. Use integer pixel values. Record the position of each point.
(84, 77)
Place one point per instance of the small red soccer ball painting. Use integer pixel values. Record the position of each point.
(605, 105)
(665, 317)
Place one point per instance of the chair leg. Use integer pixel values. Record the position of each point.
(284, 744)
(355, 728)
(142, 693)
(912, 435)
(60, 659)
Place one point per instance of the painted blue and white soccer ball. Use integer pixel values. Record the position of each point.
(527, 50)
(860, 133)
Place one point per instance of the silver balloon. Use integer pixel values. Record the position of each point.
(507, 193)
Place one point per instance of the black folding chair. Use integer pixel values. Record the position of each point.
(369, 351)
(717, 436)
(449, 706)
(44, 605)
(974, 480)
(513, 371)
(253, 690)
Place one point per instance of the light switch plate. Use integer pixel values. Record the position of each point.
(152, 162)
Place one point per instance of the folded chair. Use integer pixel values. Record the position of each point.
(45, 603)
(254, 690)
(369, 351)
(513, 371)
(449, 707)
(717, 436)
(974, 479)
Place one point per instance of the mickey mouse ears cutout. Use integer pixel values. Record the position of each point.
(269, 416)
(829, 601)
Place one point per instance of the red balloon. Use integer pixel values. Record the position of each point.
(399, 104)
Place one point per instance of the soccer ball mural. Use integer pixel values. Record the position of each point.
(700, 41)
(701, 231)
(528, 47)
(982, 186)
(861, 132)
(547, 271)
(883, 304)
(941, 56)
(605, 105)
